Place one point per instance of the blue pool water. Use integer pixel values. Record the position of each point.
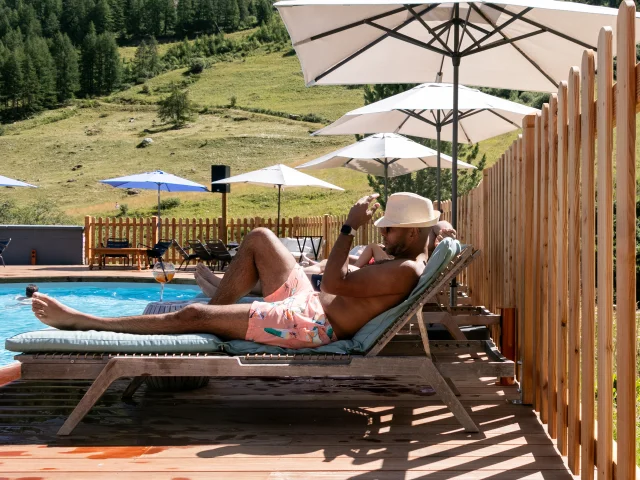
(104, 299)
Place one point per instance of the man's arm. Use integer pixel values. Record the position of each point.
(386, 279)
(337, 269)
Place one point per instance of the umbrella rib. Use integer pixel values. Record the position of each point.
(500, 43)
(518, 49)
(466, 114)
(545, 28)
(448, 33)
(498, 29)
(464, 28)
(406, 119)
(366, 47)
(429, 29)
(405, 38)
(465, 133)
(349, 26)
(505, 118)
(418, 117)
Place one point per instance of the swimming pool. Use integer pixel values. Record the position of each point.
(106, 299)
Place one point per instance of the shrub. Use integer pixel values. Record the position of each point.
(232, 101)
(145, 89)
(124, 209)
(169, 203)
(197, 65)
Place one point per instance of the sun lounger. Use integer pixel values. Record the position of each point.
(107, 356)
(4, 243)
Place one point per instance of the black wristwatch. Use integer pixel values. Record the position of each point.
(347, 230)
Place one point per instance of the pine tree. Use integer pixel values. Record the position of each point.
(264, 11)
(169, 17)
(88, 62)
(153, 57)
(176, 108)
(30, 83)
(117, 16)
(243, 10)
(51, 25)
(101, 16)
(184, 14)
(133, 17)
(107, 64)
(66, 61)
(152, 16)
(232, 17)
(12, 78)
(37, 50)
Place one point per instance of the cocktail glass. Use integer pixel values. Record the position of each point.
(163, 273)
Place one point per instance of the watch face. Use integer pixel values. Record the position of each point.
(346, 230)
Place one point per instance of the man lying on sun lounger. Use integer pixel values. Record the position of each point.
(209, 283)
(292, 314)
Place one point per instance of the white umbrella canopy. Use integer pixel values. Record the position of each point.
(523, 44)
(415, 113)
(384, 155)
(279, 175)
(10, 182)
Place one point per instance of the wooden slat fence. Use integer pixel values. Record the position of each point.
(534, 216)
(144, 231)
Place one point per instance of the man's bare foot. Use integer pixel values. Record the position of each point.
(53, 313)
(206, 280)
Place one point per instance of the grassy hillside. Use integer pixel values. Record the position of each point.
(67, 151)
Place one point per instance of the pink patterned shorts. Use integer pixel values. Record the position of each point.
(291, 317)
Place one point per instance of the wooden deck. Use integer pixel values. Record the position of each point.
(273, 429)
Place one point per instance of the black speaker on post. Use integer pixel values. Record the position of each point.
(218, 172)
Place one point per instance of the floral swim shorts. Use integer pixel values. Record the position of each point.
(291, 317)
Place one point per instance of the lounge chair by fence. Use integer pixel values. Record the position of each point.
(370, 352)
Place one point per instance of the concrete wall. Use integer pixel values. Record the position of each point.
(54, 244)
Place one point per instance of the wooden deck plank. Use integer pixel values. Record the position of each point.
(274, 429)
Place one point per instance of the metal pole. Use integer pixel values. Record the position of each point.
(438, 130)
(454, 141)
(386, 171)
(158, 212)
(278, 229)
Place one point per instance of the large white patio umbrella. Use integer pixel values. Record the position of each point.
(158, 180)
(10, 182)
(521, 44)
(279, 175)
(427, 111)
(384, 155)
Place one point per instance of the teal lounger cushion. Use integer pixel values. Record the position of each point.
(52, 340)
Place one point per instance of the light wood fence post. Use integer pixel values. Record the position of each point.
(552, 304)
(605, 254)
(528, 339)
(88, 239)
(588, 264)
(573, 272)
(544, 263)
(626, 240)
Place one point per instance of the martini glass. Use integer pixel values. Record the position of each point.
(163, 273)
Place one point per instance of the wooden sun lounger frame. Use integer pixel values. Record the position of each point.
(106, 368)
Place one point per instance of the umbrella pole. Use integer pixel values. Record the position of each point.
(454, 145)
(278, 227)
(438, 129)
(158, 212)
(386, 172)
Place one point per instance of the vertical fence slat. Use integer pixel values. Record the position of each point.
(535, 278)
(626, 240)
(552, 251)
(588, 266)
(562, 260)
(542, 282)
(528, 146)
(573, 250)
(605, 254)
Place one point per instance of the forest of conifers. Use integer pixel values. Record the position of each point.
(54, 50)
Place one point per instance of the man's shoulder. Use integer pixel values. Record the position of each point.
(402, 265)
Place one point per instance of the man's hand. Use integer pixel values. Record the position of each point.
(362, 211)
(445, 232)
